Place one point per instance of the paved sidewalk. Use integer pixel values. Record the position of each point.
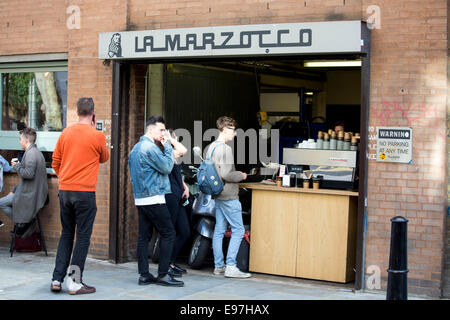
(27, 276)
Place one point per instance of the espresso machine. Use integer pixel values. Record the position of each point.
(338, 168)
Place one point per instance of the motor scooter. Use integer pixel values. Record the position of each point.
(201, 221)
(203, 216)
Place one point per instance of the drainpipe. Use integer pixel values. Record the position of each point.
(363, 158)
(114, 163)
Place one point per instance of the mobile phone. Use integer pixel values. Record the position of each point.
(184, 202)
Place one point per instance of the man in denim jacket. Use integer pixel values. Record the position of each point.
(150, 163)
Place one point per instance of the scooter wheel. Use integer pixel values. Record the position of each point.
(199, 250)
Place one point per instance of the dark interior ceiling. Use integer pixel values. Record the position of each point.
(291, 68)
(281, 68)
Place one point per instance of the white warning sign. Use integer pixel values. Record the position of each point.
(394, 144)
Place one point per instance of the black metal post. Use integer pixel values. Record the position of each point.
(397, 287)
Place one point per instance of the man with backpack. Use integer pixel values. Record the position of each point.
(228, 207)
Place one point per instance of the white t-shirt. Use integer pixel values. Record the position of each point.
(159, 199)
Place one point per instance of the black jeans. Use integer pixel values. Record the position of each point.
(77, 209)
(155, 215)
(180, 222)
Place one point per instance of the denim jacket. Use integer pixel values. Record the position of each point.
(150, 168)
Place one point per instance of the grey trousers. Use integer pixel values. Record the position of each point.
(6, 204)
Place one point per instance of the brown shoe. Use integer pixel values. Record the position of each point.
(89, 287)
(83, 290)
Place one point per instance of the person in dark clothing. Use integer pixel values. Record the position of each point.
(150, 167)
(175, 201)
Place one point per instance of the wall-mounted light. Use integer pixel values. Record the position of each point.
(309, 93)
(332, 63)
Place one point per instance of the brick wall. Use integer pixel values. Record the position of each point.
(409, 88)
(33, 27)
(147, 15)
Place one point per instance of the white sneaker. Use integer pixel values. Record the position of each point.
(72, 286)
(219, 270)
(234, 272)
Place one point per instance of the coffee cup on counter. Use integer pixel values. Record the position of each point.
(306, 183)
(317, 181)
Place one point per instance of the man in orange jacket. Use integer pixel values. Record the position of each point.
(79, 151)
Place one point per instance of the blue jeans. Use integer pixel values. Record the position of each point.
(227, 211)
(6, 204)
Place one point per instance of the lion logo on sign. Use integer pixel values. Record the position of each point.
(115, 48)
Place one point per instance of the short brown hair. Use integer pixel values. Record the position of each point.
(29, 134)
(85, 106)
(225, 121)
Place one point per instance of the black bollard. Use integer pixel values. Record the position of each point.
(397, 287)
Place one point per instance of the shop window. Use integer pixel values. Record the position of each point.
(34, 99)
(33, 95)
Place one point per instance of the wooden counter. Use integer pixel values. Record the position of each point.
(303, 233)
(262, 186)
